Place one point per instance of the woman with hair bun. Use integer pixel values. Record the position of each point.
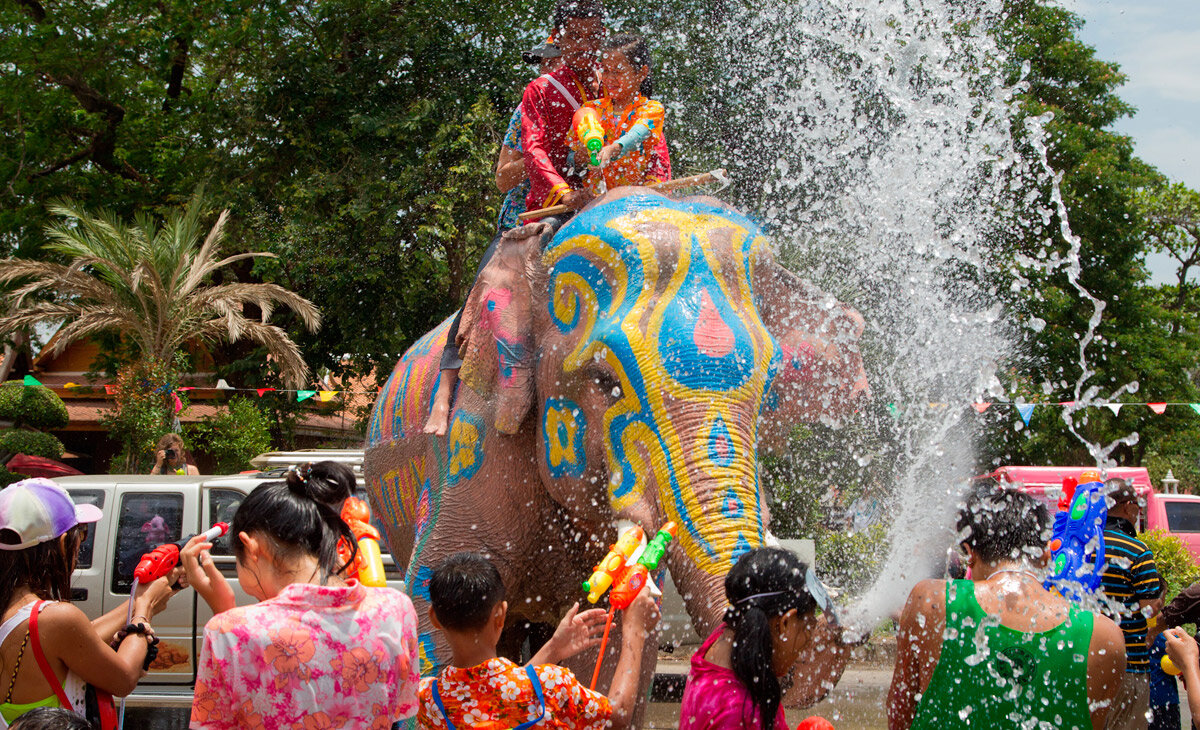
(772, 617)
(318, 649)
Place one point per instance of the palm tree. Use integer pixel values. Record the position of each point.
(151, 283)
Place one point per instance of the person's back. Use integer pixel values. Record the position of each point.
(1000, 650)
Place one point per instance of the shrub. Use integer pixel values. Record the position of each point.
(31, 405)
(143, 410)
(7, 477)
(31, 443)
(233, 437)
(851, 560)
(1175, 564)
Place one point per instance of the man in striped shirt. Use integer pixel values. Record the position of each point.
(1134, 589)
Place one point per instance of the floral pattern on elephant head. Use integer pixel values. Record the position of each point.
(563, 431)
(658, 294)
(464, 447)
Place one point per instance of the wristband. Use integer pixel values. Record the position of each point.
(145, 631)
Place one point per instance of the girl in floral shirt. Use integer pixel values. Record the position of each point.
(317, 651)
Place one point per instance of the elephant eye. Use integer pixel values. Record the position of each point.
(606, 383)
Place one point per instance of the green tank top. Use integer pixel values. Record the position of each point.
(991, 676)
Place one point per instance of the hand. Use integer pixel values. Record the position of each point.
(610, 152)
(152, 598)
(159, 457)
(642, 615)
(1182, 648)
(576, 632)
(202, 574)
(576, 199)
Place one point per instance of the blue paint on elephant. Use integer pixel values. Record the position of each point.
(742, 547)
(720, 444)
(596, 282)
(420, 583)
(465, 448)
(563, 431)
(731, 505)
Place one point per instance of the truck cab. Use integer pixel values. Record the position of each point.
(140, 513)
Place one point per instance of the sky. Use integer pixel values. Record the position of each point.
(1157, 45)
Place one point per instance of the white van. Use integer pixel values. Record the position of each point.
(140, 513)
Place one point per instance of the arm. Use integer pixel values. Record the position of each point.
(639, 620)
(1185, 609)
(1106, 668)
(538, 166)
(510, 169)
(159, 457)
(1147, 585)
(575, 633)
(1184, 653)
(205, 578)
(918, 648)
(69, 638)
(150, 600)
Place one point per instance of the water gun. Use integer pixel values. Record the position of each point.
(368, 564)
(162, 559)
(634, 577)
(586, 124)
(1077, 545)
(609, 569)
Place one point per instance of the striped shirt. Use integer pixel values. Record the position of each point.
(1130, 576)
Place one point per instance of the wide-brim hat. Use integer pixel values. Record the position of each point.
(540, 53)
(33, 511)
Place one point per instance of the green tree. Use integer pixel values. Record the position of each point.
(234, 436)
(1172, 218)
(35, 406)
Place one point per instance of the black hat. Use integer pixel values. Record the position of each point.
(540, 53)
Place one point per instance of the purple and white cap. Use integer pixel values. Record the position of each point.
(33, 511)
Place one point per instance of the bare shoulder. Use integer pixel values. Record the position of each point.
(1105, 632)
(62, 615)
(929, 593)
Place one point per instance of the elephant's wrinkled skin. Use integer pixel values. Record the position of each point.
(630, 370)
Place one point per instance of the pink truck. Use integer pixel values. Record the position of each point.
(1178, 514)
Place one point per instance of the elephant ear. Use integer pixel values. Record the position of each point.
(495, 335)
(821, 374)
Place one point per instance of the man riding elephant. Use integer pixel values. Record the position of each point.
(629, 369)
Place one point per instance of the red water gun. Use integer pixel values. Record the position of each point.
(162, 559)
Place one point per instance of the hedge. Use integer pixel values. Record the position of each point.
(31, 443)
(31, 405)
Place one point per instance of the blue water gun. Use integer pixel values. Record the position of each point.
(1077, 546)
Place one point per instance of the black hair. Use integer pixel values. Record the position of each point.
(45, 568)
(463, 591)
(1000, 523)
(635, 50)
(300, 515)
(1120, 491)
(763, 584)
(51, 718)
(566, 10)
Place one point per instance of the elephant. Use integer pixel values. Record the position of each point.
(628, 367)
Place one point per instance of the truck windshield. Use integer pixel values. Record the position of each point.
(1183, 516)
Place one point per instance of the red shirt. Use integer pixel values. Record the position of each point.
(545, 135)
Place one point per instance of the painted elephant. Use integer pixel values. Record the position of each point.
(629, 368)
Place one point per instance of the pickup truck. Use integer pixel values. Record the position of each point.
(140, 513)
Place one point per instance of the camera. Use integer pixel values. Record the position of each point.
(170, 454)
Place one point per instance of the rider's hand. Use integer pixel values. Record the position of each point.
(576, 199)
(609, 152)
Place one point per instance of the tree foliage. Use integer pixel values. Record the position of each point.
(233, 437)
(35, 406)
(143, 410)
(31, 443)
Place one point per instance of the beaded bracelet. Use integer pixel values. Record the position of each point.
(151, 641)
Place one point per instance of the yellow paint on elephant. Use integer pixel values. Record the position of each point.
(465, 447)
(656, 450)
(562, 432)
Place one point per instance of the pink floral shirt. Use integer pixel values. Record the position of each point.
(313, 657)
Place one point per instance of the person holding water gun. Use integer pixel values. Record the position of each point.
(318, 647)
(631, 149)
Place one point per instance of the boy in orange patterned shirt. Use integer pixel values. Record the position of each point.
(481, 690)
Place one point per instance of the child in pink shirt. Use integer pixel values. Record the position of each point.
(772, 617)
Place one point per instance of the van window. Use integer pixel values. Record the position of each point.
(222, 503)
(1183, 516)
(87, 496)
(146, 521)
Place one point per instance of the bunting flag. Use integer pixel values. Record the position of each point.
(327, 395)
(1114, 407)
(109, 388)
(178, 403)
(1159, 408)
(892, 409)
(1026, 410)
(1066, 403)
(186, 388)
(303, 395)
(1195, 407)
(980, 406)
(263, 390)
(30, 380)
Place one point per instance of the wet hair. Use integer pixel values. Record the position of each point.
(51, 718)
(45, 568)
(566, 10)
(300, 516)
(1120, 491)
(464, 590)
(763, 584)
(1000, 523)
(633, 47)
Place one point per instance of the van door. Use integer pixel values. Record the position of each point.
(219, 505)
(87, 583)
(146, 517)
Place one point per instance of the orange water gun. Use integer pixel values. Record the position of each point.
(368, 564)
(633, 578)
(608, 569)
(586, 124)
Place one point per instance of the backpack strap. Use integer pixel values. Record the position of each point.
(537, 690)
(437, 698)
(47, 672)
(563, 90)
